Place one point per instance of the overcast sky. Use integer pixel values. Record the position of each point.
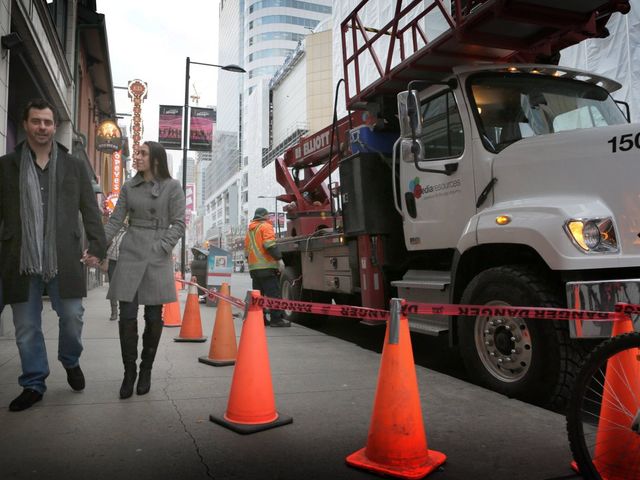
(150, 40)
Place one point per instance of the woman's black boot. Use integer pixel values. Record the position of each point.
(150, 341)
(129, 347)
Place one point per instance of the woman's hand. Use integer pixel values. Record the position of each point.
(90, 260)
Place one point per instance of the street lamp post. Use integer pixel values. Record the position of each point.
(185, 139)
(275, 212)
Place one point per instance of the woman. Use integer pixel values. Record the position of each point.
(154, 204)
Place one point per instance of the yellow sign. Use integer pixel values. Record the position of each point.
(108, 136)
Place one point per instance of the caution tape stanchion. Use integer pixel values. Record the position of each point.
(191, 328)
(397, 442)
(251, 406)
(223, 350)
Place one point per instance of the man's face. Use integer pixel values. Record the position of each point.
(40, 127)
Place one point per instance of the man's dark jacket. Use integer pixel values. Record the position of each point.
(74, 195)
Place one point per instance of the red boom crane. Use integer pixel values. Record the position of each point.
(479, 31)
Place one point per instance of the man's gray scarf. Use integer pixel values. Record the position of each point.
(38, 254)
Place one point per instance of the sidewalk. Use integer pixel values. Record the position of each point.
(326, 384)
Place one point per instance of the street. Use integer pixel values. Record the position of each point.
(324, 378)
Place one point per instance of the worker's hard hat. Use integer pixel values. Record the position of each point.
(261, 214)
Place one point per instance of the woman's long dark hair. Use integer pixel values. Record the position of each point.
(158, 160)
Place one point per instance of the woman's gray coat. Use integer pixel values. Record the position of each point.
(156, 212)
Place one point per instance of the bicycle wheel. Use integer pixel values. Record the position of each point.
(604, 411)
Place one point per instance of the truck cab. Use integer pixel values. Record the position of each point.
(506, 174)
(472, 170)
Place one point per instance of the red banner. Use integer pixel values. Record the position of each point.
(201, 129)
(170, 127)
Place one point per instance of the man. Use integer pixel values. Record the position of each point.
(42, 191)
(265, 261)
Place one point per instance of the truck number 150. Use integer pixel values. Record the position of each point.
(625, 142)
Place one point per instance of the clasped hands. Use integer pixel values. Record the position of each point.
(90, 260)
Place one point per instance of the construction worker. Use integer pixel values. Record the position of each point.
(265, 261)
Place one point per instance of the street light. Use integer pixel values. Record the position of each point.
(275, 212)
(185, 139)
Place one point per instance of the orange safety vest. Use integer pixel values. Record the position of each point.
(260, 236)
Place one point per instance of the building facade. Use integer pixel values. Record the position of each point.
(58, 50)
(259, 35)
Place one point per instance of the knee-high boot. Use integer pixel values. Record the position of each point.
(150, 341)
(129, 347)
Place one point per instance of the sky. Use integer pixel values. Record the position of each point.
(150, 40)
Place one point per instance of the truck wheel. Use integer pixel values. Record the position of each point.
(291, 289)
(534, 360)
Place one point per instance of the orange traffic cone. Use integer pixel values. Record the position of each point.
(191, 330)
(177, 277)
(251, 407)
(171, 312)
(615, 437)
(223, 348)
(397, 443)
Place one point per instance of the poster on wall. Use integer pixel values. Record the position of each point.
(170, 127)
(201, 129)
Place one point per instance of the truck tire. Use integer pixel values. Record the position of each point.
(534, 360)
(291, 289)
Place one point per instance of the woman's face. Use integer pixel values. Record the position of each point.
(143, 161)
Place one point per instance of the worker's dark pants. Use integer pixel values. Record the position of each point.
(267, 281)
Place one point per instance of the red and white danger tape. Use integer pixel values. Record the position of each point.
(373, 314)
(213, 293)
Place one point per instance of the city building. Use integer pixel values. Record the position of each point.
(259, 35)
(58, 50)
(300, 103)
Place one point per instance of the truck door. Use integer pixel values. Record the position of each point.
(436, 184)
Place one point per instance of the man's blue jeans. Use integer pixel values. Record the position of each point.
(27, 319)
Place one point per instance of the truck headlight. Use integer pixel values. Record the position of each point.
(595, 235)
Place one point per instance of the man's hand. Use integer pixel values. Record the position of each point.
(281, 265)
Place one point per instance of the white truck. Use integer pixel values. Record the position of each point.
(492, 184)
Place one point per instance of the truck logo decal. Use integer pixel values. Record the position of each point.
(414, 186)
(441, 188)
(312, 145)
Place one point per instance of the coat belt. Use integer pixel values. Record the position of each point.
(150, 224)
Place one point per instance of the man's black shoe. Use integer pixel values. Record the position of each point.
(280, 323)
(25, 400)
(75, 378)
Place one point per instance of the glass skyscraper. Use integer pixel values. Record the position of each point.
(257, 35)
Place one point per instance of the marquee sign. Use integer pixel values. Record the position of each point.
(108, 136)
(116, 171)
(137, 94)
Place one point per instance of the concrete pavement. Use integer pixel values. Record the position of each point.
(325, 383)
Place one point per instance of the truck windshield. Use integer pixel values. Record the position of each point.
(512, 106)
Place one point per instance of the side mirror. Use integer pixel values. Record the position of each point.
(413, 112)
(624, 108)
(409, 114)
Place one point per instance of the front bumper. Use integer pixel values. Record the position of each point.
(600, 295)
